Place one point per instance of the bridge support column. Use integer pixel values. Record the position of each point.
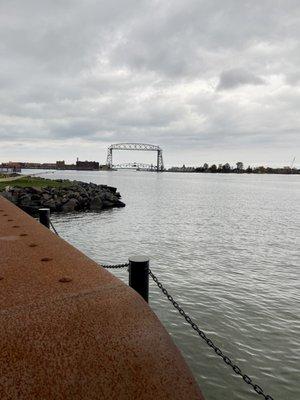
(160, 164)
(109, 160)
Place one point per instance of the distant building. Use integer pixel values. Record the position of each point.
(10, 167)
(87, 165)
(60, 165)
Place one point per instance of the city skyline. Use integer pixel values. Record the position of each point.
(127, 156)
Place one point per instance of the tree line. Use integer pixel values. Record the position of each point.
(238, 169)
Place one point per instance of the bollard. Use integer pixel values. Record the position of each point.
(139, 275)
(44, 217)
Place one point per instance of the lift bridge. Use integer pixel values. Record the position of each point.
(136, 146)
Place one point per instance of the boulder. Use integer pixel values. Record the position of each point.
(119, 203)
(36, 190)
(96, 204)
(9, 196)
(25, 200)
(46, 196)
(50, 204)
(70, 205)
(110, 197)
(107, 204)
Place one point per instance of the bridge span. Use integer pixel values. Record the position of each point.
(137, 166)
(136, 147)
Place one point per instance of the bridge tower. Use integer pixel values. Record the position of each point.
(135, 146)
(109, 157)
(160, 163)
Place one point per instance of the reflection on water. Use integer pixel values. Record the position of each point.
(227, 248)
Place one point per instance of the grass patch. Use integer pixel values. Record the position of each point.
(36, 182)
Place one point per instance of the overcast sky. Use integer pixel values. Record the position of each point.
(207, 80)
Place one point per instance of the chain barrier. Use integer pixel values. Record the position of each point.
(115, 265)
(104, 266)
(194, 326)
(210, 343)
(53, 227)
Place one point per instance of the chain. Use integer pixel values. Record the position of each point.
(210, 343)
(104, 266)
(188, 319)
(53, 227)
(116, 265)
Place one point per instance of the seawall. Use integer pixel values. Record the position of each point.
(69, 329)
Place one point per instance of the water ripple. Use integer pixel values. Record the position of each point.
(227, 248)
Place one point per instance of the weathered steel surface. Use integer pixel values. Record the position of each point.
(71, 330)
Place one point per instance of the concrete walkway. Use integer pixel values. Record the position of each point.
(15, 178)
(70, 330)
(11, 178)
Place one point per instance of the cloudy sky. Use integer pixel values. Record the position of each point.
(207, 80)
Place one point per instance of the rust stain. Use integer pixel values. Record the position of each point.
(65, 279)
(90, 340)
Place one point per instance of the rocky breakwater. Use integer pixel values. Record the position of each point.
(64, 196)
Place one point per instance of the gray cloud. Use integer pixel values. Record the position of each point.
(236, 77)
(77, 75)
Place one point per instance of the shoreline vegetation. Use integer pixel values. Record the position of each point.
(32, 193)
(238, 169)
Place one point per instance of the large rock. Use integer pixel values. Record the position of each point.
(96, 204)
(36, 190)
(107, 204)
(25, 200)
(46, 196)
(70, 205)
(10, 196)
(119, 203)
(51, 203)
(110, 197)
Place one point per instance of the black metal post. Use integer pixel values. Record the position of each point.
(139, 275)
(44, 217)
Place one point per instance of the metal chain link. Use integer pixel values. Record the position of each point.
(53, 227)
(210, 343)
(116, 265)
(188, 319)
(104, 266)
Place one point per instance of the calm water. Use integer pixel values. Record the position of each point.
(227, 248)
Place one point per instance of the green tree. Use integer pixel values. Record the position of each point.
(239, 166)
(226, 167)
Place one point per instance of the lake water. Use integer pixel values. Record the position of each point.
(227, 248)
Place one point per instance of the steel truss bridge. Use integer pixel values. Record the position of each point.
(137, 166)
(139, 147)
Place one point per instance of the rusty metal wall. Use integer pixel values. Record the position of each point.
(71, 330)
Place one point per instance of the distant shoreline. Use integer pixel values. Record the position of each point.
(297, 172)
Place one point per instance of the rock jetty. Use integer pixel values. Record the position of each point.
(65, 196)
